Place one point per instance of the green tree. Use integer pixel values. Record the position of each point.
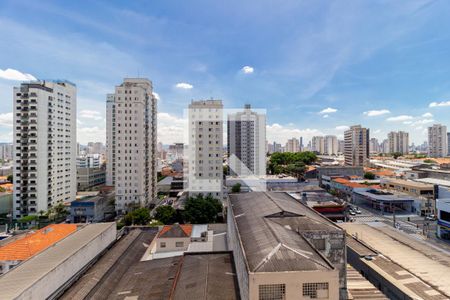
(140, 216)
(430, 161)
(396, 155)
(369, 176)
(236, 188)
(10, 178)
(296, 170)
(166, 214)
(202, 210)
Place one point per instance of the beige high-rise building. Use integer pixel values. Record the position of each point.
(45, 146)
(437, 140)
(318, 144)
(131, 143)
(203, 164)
(356, 148)
(293, 145)
(398, 142)
(246, 135)
(330, 145)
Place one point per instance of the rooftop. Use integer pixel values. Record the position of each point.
(35, 242)
(383, 195)
(206, 276)
(268, 226)
(414, 264)
(175, 230)
(434, 181)
(16, 281)
(408, 183)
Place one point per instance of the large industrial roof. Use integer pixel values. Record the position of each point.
(268, 226)
(35, 242)
(16, 281)
(206, 276)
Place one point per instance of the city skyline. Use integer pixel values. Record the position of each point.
(381, 80)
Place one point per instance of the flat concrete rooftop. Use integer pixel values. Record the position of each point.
(419, 267)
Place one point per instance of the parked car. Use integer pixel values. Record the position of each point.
(358, 211)
(431, 217)
(352, 213)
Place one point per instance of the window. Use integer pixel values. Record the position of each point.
(272, 292)
(163, 245)
(317, 290)
(179, 244)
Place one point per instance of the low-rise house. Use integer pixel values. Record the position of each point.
(93, 206)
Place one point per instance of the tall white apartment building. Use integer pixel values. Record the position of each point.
(330, 145)
(131, 143)
(203, 165)
(356, 148)
(293, 145)
(45, 141)
(318, 144)
(246, 136)
(437, 141)
(398, 142)
(89, 161)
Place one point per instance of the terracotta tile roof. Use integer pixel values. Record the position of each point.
(176, 230)
(34, 243)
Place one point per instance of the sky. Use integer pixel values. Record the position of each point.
(317, 67)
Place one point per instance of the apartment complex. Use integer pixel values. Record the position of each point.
(44, 145)
(437, 141)
(318, 144)
(131, 143)
(356, 148)
(330, 145)
(374, 146)
(203, 165)
(398, 142)
(292, 145)
(246, 135)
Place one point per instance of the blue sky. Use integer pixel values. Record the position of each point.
(316, 66)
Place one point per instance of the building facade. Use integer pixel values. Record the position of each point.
(203, 166)
(131, 143)
(356, 148)
(292, 145)
(246, 135)
(398, 142)
(318, 144)
(331, 145)
(437, 141)
(44, 146)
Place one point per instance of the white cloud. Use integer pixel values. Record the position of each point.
(184, 86)
(247, 70)
(423, 121)
(328, 110)
(156, 95)
(6, 119)
(439, 104)
(342, 127)
(427, 115)
(400, 118)
(374, 113)
(280, 133)
(91, 114)
(11, 74)
(170, 128)
(326, 116)
(91, 134)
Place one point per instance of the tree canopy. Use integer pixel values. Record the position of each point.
(166, 214)
(202, 210)
(369, 175)
(291, 163)
(140, 216)
(236, 188)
